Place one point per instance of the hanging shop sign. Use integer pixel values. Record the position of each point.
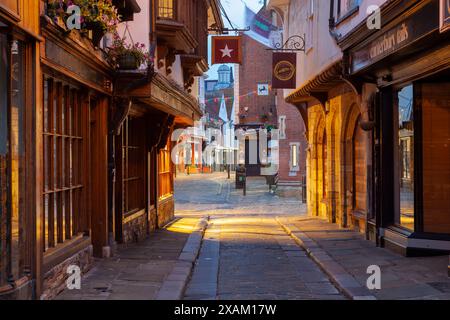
(405, 33)
(226, 49)
(445, 15)
(263, 89)
(284, 70)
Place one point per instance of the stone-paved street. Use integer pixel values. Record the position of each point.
(245, 253)
(137, 271)
(224, 246)
(251, 257)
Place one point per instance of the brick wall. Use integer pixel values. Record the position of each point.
(255, 69)
(294, 133)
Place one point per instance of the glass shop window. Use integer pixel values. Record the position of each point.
(12, 159)
(405, 170)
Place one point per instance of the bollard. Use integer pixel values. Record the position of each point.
(241, 178)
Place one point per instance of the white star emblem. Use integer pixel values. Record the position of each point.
(226, 52)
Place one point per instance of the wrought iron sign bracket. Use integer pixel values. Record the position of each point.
(293, 44)
(228, 30)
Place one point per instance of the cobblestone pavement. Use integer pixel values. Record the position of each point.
(401, 277)
(214, 194)
(245, 253)
(137, 271)
(251, 257)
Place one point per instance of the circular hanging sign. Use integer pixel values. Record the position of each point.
(284, 70)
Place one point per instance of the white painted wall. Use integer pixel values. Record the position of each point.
(140, 26)
(321, 48)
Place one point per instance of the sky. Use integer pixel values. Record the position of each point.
(235, 10)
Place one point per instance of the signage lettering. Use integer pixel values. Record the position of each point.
(390, 42)
(405, 33)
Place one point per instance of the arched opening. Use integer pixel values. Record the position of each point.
(355, 173)
(321, 170)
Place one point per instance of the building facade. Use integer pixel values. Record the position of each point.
(364, 95)
(220, 117)
(292, 150)
(257, 110)
(407, 118)
(92, 139)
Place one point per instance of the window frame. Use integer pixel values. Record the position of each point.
(168, 12)
(282, 127)
(63, 163)
(296, 146)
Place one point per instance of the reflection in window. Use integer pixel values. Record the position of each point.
(406, 156)
(17, 152)
(4, 66)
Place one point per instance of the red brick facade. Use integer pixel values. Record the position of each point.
(294, 133)
(255, 70)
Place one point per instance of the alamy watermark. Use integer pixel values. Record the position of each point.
(374, 280)
(73, 282)
(232, 147)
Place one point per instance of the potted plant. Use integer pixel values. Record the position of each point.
(128, 56)
(56, 9)
(98, 16)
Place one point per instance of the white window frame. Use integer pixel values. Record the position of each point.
(291, 166)
(282, 128)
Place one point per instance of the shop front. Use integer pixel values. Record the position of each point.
(18, 49)
(409, 62)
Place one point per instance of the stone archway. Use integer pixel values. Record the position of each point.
(354, 180)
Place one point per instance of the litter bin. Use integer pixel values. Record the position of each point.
(241, 176)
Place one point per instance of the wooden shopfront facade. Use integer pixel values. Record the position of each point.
(409, 62)
(73, 145)
(19, 43)
(85, 150)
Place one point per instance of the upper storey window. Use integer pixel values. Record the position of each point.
(166, 9)
(342, 9)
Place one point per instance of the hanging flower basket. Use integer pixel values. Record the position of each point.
(128, 56)
(127, 61)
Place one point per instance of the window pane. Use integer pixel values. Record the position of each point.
(4, 66)
(166, 9)
(406, 156)
(17, 153)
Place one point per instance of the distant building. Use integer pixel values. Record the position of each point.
(255, 111)
(220, 114)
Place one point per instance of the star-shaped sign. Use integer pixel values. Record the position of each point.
(226, 49)
(226, 52)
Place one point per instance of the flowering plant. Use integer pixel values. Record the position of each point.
(99, 13)
(120, 49)
(94, 13)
